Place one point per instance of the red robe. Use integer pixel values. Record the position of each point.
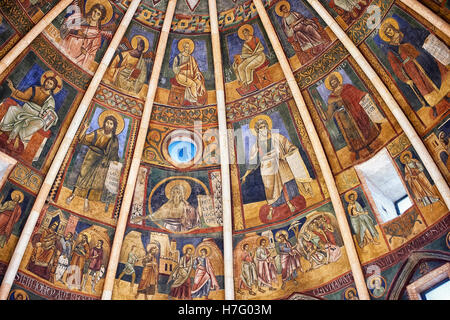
(203, 273)
(355, 125)
(7, 220)
(408, 69)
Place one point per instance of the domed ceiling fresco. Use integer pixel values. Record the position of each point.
(98, 219)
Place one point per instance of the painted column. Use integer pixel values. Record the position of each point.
(344, 228)
(62, 150)
(137, 154)
(392, 104)
(224, 153)
(32, 34)
(429, 15)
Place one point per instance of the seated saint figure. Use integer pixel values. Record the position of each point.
(303, 33)
(82, 34)
(348, 9)
(38, 112)
(251, 57)
(129, 68)
(44, 252)
(188, 74)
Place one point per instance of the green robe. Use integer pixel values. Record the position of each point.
(102, 150)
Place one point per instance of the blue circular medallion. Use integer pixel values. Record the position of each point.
(182, 150)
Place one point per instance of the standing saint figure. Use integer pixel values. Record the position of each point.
(290, 258)
(265, 265)
(204, 279)
(76, 267)
(38, 112)
(270, 153)
(416, 67)
(415, 177)
(249, 276)
(132, 259)
(303, 33)
(181, 285)
(150, 273)
(251, 57)
(363, 225)
(177, 214)
(10, 212)
(65, 247)
(82, 35)
(129, 69)
(103, 149)
(94, 266)
(188, 74)
(345, 107)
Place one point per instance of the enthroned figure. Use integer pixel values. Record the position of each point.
(349, 10)
(129, 68)
(38, 112)
(44, 251)
(188, 76)
(251, 60)
(82, 34)
(306, 35)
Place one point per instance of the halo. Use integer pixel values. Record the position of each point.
(350, 290)
(87, 235)
(381, 31)
(120, 122)
(327, 79)
(372, 281)
(186, 40)
(20, 194)
(48, 74)
(244, 243)
(259, 117)
(278, 8)
(187, 247)
(104, 3)
(258, 241)
(241, 30)
(405, 153)
(204, 246)
(134, 42)
(281, 232)
(347, 195)
(16, 292)
(186, 186)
